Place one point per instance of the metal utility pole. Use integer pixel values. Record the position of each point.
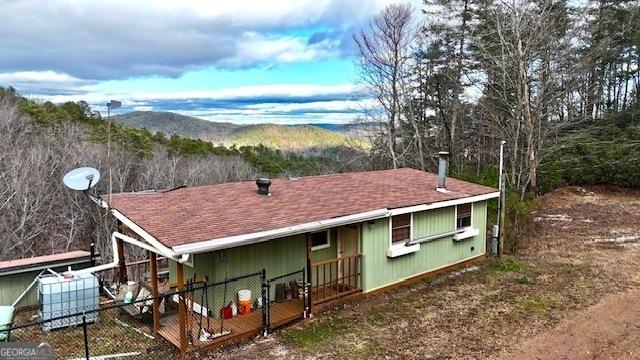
(501, 201)
(113, 104)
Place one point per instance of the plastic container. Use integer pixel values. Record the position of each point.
(6, 318)
(61, 297)
(244, 307)
(234, 309)
(226, 312)
(244, 295)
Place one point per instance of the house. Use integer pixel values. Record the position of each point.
(17, 276)
(348, 233)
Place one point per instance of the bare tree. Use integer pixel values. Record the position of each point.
(38, 215)
(525, 52)
(385, 49)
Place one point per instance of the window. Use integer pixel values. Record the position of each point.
(320, 240)
(463, 216)
(400, 228)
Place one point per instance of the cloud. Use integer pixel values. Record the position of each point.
(121, 39)
(142, 108)
(256, 93)
(63, 50)
(281, 103)
(43, 82)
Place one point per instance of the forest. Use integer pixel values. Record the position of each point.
(557, 80)
(40, 142)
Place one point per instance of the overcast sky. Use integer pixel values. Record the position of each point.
(243, 61)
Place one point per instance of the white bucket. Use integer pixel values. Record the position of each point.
(244, 295)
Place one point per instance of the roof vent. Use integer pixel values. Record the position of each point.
(442, 171)
(263, 186)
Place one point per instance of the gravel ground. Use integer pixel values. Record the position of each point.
(579, 267)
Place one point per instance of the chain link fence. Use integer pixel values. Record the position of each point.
(205, 315)
(287, 298)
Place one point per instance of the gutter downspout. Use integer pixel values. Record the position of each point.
(156, 246)
(116, 260)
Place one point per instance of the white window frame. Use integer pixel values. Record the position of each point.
(469, 231)
(455, 216)
(391, 244)
(400, 248)
(323, 246)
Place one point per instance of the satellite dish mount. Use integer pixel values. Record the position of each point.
(82, 179)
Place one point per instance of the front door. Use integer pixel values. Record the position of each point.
(347, 245)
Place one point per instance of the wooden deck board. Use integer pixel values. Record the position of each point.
(320, 294)
(240, 326)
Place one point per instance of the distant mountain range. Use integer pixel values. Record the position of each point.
(272, 135)
(171, 123)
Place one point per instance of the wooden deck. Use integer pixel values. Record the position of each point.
(334, 278)
(322, 294)
(241, 326)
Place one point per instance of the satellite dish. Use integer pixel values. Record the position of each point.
(81, 179)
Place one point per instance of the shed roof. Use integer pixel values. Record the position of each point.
(195, 214)
(39, 262)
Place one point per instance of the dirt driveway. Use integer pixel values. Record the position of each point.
(608, 330)
(572, 291)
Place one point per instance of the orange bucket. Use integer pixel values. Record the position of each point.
(244, 307)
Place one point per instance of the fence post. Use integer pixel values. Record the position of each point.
(182, 310)
(154, 291)
(86, 339)
(304, 294)
(265, 302)
(309, 273)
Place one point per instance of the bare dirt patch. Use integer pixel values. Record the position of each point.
(608, 330)
(569, 265)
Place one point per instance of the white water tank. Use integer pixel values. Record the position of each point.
(61, 296)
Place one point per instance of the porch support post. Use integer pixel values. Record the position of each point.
(122, 269)
(309, 296)
(154, 291)
(182, 309)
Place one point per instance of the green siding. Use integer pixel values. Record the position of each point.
(379, 270)
(13, 285)
(278, 257)
(282, 256)
(330, 272)
(329, 253)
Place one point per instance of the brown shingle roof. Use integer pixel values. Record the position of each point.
(195, 214)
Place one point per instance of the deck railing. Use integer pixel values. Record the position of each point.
(333, 278)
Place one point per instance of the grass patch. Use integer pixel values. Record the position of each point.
(440, 295)
(526, 280)
(537, 304)
(316, 333)
(377, 316)
(508, 265)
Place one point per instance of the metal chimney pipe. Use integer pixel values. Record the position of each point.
(442, 170)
